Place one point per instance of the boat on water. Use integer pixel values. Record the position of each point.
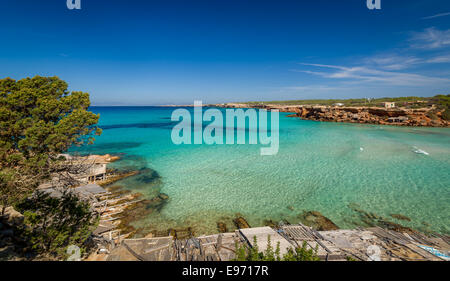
(420, 151)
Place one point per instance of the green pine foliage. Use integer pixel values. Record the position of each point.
(39, 118)
(253, 254)
(443, 103)
(411, 102)
(53, 224)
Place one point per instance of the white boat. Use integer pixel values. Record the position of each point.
(420, 151)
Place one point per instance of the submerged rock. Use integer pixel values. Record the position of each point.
(161, 233)
(182, 233)
(240, 222)
(395, 226)
(400, 217)
(133, 213)
(163, 196)
(355, 207)
(270, 223)
(372, 219)
(159, 200)
(222, 227)
(317, 221)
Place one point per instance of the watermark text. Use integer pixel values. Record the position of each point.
(258, 129)
(73, 4)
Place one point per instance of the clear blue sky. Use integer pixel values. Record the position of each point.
(126, 52)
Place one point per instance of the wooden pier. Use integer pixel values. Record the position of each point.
(358, 244)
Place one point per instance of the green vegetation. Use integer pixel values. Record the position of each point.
(253, 254)
(401, 101)
(443, 104)
(53, 224)
(39, 119)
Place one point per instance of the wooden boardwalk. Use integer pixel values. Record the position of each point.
(360, 244)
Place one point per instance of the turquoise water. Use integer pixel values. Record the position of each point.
(319, 166)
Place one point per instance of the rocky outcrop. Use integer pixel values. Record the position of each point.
(11, 217)
(428, 117)
(317, 221)
(222, 227)
(371, 219)
(240, 222)
(400, 217)
(372, 115)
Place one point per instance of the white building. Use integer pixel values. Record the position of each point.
(389, 104)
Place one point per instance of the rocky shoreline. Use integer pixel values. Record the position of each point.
(318, 232)
(420, 117)
(118, 208)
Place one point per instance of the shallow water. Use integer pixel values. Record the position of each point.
(320, 166)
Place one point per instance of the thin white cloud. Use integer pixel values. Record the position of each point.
(392, 61)
(431, 38)
(397, 69)
(362, 74)
(311, 88)
(436, 16)
(395, 62)
(325, 65)
(439, 59)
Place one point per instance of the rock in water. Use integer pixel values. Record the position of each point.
(163, 196)
(270, 223)
(240, 222)
(222, 227)
(395, 227)
(317, 221)
(400, 217)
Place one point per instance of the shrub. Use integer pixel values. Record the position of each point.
(53, 224)
(252, 253)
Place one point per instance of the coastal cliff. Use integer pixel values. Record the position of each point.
(426, 117)
(370, 115)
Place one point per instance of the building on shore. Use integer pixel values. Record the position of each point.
(78, 170)
(389, 104)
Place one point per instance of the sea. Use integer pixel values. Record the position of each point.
(320, 166)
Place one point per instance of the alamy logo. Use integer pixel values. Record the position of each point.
(374, 4)
(74, 253)
(214, 131)
(73, 4)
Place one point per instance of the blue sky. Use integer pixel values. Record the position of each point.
(172, 52)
